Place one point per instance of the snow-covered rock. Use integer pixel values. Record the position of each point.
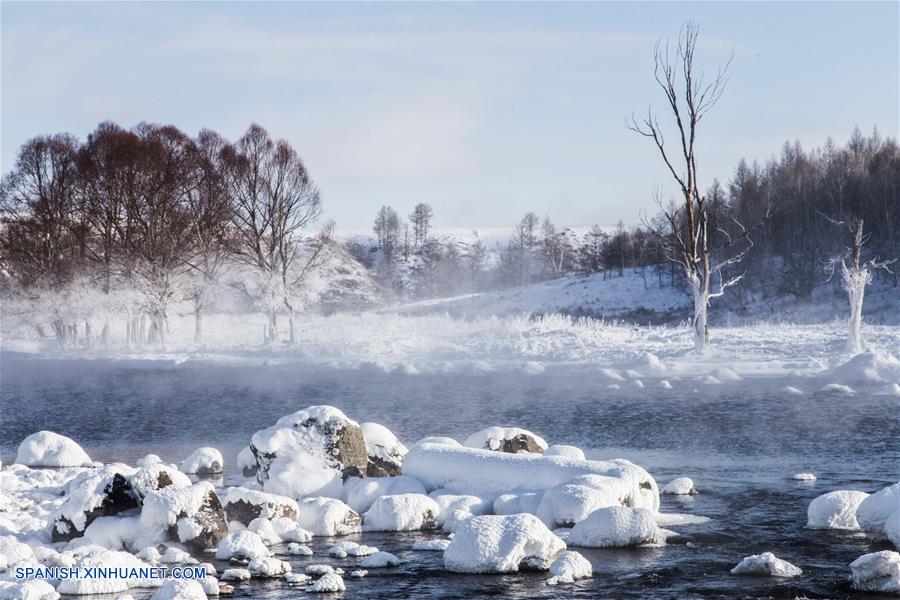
(379, 560)
(502, 544)
(12, 551)
(617, 526)
(458, 507)
(766, 564)
(835, 510)
(327, 516)
(506, 439)
(345, 549)
(203, 461)
(29, 589)
(95, 556)
(567, 504)
(268, 566)
(437, 439)
(483, 472)
(243, 505)
(190, 515)
(680, 486)
(361, 493)
(402, 512)
(95, 493)
(892, 528)
(242, 545)
(877, 572)
(48, 449)
(568, 567)
(295, 549)
(327, 584)
(873, 512)
(564, 450)
(803, 477)
(278, 530)
(309, 452)
(180, 589)
(246, 462)
(236, 575)
(156, 475)
(385, 451)
(511, 504)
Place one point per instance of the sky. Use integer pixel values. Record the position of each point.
(483, 110)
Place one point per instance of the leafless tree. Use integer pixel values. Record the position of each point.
(421, 222)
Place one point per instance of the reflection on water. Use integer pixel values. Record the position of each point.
(740, 442)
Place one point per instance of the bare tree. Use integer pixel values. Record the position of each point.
(387, 229)
(421, 222)
(689, 98)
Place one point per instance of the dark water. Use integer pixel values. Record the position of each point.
(740, 442)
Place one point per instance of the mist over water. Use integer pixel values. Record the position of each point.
(739, 441)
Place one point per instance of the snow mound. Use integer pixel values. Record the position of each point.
(180, 589)
(329, 583)
(502, 544)
(877, 572)
(564, 450)
(385, 451)
(617, 526)
(837, 387)
(279, 530)
(835, 510)
(242, 545)
(873, 512)
(246, 462)
(327, 516)
(803, 477)
(379, 560)
(506, 439)
(12, 551)
(870, 366)
(203, 461)
(680, 486)
(766, 564)
(361, 493)
(483, 472)
(568, 567)
(48, 449)
(402, 512)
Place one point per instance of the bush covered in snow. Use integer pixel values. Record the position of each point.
(502, 544)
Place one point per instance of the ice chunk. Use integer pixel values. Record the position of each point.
(617, 526)
(506, 439)
(48, 449)
(835, 510)
(327, 516)
(877, 572)
(766, 564)
(568, 567)
(203, 461)
(402, 512)
(502, 544)
(564, 450)
(680, 486)
(874, 511)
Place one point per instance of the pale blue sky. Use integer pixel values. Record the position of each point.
(486, 111)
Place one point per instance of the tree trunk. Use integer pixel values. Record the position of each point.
(273, 326)
(198, 326)
(88, 339)
(291, 322)
(700, 291)
(104, 334)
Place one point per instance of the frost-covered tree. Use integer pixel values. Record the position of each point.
(421, 222)
(689, 97)
(387, 230)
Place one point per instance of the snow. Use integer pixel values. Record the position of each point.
(680, 486)
(766, 564)
(176, 506)
(873, 512)
(837, 387)
(180, 589)
(379, 560)
(246, 462)
(205, 461)
(115, 533)
(510, 504)
(48, 449)
(458, 507)
(877, 572)
(32, 589)
(268, 566)
(359, 573)
(345, 549)
(328, 583)
(835, 510)
(484, 472)
(568, 567)
(12, 551)
(296, 549)
(278, 530)
(382, 443)
(95, 556)
(245, 545)
(361, 493)
(401, 512)
(502, 544)
(570, 503)
(327, 516)
(872, 366)
(564, 450)
(235, 575)
(617, 526)
(261, 504)
(148, 475)
(803, 477)
(438, 545)
(892, 528)
(492, 438)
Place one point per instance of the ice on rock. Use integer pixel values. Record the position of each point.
(568, 567)
(242, 545)
(506, 439)
(835, 510)
(485, 473)
(617, 526)
(210, 585)
(268, 566)
(502, 544)
(30, 589)
(329, 583)
(680, 486)
(766, 564)
(297, 578)
(837, 387)
(379, 560)
(511, 504)
(307, 453)
(203, 461)
(794, 391)
(803, 477)
(873, 512)
(319, 569)
(180, 589)
(246, 462)
(236, 575)
(190, 515)
(243, 505)
(401, 512)
(564, 450)
(48, 449)
(567, 504)
(384, 450)
(361, 493)
(327, 516)
(438, 545)
(877, 572)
